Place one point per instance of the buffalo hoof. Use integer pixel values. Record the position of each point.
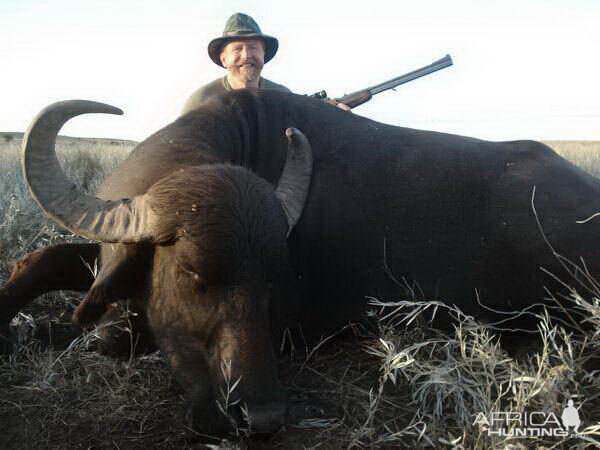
(118, 341)
(120, 337)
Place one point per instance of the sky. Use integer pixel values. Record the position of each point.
(522, 69)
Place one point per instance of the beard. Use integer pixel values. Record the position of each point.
(246, 72)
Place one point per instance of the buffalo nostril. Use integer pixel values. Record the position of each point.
(266, 417)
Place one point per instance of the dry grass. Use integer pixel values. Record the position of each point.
(22, 225)
(78, 398)
(455, 376)
(585, 154)
(406, 385)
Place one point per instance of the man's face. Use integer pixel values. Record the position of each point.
(244, 59)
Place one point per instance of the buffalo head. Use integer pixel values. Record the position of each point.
(218, 234)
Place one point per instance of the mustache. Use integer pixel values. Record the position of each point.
(247, 61)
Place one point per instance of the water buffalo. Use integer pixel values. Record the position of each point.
(195, 236)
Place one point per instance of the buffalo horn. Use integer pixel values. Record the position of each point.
(294, 183)
(106, 221)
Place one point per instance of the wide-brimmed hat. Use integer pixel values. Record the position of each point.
(241, 26)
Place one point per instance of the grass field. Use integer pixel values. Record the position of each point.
(407, 385)
(586, 154)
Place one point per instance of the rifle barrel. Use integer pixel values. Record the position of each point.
(433, 67)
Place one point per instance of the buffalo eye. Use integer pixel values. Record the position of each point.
(196, 278)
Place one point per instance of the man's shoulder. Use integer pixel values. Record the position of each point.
(219, 86)
(268, 84)
(202, 94)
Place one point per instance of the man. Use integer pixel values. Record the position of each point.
(243, 50)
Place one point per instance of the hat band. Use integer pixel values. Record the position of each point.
(240, 32)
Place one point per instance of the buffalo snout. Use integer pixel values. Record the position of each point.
(264, 417)
(268, 417)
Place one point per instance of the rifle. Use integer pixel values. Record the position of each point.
(359, 97)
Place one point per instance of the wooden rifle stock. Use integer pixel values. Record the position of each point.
(356, 98)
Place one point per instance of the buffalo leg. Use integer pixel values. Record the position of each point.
(121, 277)
(62, 266)
(114, 301)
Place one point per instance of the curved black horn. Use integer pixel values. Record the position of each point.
(292, 189)
(113, 221)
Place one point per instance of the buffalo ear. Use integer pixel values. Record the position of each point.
(294, 183)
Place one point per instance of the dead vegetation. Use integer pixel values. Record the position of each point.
(585, 154)
(404, 385)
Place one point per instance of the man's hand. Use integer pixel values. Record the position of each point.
(343, 106)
